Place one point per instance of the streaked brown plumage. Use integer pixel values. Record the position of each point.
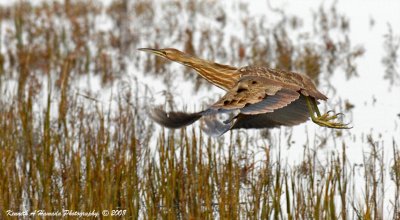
(259, 97)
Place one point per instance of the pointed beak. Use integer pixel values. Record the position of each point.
(154, 51)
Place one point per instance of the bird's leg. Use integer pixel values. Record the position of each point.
(324, 120)
(315, 106)
(326, 115)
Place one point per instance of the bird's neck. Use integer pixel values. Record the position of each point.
(220, 75)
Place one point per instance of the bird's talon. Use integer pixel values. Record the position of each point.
(323, 117)
(339, 114)
(326, 121)
(326, 116)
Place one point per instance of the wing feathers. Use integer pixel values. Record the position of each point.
(246, 92)
(261, 105)
(281, 99)
(213, 127)
(293, 114)
(174, 119)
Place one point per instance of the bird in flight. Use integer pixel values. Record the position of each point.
(258, 97)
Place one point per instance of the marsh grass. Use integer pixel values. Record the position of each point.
(65, 149)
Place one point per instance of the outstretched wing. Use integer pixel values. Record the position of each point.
(293, 114)
(173, 119)
(252, 97)
(249, 96)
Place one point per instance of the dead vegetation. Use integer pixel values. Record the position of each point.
(64, 149)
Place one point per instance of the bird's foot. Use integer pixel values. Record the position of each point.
(325, 120)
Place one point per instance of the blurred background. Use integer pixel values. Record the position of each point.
(75, 93)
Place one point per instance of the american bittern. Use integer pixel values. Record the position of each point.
(261, 97)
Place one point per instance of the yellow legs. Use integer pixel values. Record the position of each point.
(324, 120)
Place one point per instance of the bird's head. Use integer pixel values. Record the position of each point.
(169, 53)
